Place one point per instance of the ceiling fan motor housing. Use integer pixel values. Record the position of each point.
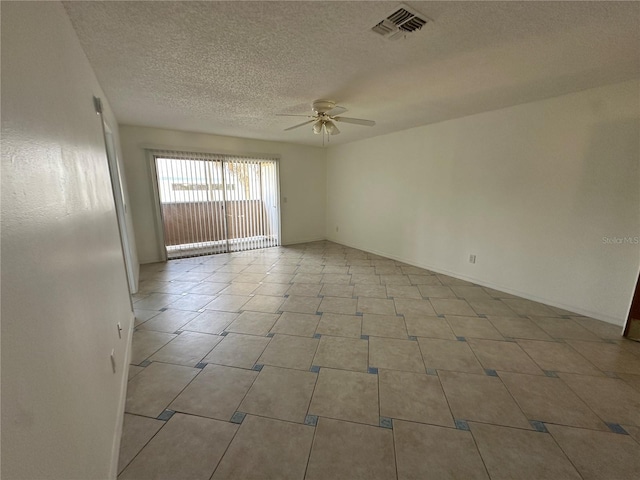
(323, 106)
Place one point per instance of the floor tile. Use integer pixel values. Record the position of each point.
(304, 289)
(264, 303)
(633, 431)
(428, 326)
(371, 291)
(608, 357)
(336, 278)
(210, 321)
(599, 455)
(394, 354)
(191, 302)
(208, 288)
(340, 325)
(156, 301)
(346, 395)
(188, 348)
(301, 304)
(342, 353)
(490, 307)
(451, 306)
(253, 323)
(249, 278)
(511, 453)
(366, 279)
(473, 292)
(335, 269)
(377, 306)
(237, 350)
(481, 398)
(336, 290)
(307, 277)
(410, 269)
(136, 433)
(146, 343)
(426, 451)
(343, 306)
(362, 270)
(228, 303)
(215, 393)
(392, 278)
(473, 327)
(300, 324)
(384, 326)
(449, 355)
(613, 400)
(265, 448)
(564, 328)
(240, 289)
(550, 400)
(403, 291)
(144, 315)
(412, 396)
(169, 321)
(351, 451)
(149, 392)
(505, 356)
(186, 447)
(497, 293)
(133, 371)
(516, 327)
(436, 291)
(283, 278)
(280, 393)
(431, 280)
(411, 306)
(601, 329)
(273, 289)
(558, 357)
(633, 380)
(289, 352)
(469, 367)
(527, 307)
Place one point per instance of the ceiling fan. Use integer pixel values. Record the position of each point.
(325, 115)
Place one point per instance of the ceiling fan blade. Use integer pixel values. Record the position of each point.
(292, 115)
(337, 110)
(300, 124)
(355, 121)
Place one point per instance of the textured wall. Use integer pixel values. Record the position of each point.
(63, 279)
(302, 181)
(531, 190)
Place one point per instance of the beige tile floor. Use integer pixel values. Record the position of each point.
(320, 361)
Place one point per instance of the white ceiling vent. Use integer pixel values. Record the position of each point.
(400, 23)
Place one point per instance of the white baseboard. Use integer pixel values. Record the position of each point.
(115, 448)
(305, 240)
(572, 308)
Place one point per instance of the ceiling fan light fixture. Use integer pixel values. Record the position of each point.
(331, 128)
(317, 127)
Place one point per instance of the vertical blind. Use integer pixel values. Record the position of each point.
(211, 203)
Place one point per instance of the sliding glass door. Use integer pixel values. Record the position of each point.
(216, 203)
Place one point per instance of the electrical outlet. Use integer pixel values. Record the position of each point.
(337, 228)
(472, 259)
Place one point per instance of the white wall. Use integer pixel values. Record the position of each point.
(63, 278)
(302, 181)
(531, 190)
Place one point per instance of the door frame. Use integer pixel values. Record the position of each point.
(119, 201)
(152, 151)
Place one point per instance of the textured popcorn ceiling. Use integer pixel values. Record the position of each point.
(228, 67)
